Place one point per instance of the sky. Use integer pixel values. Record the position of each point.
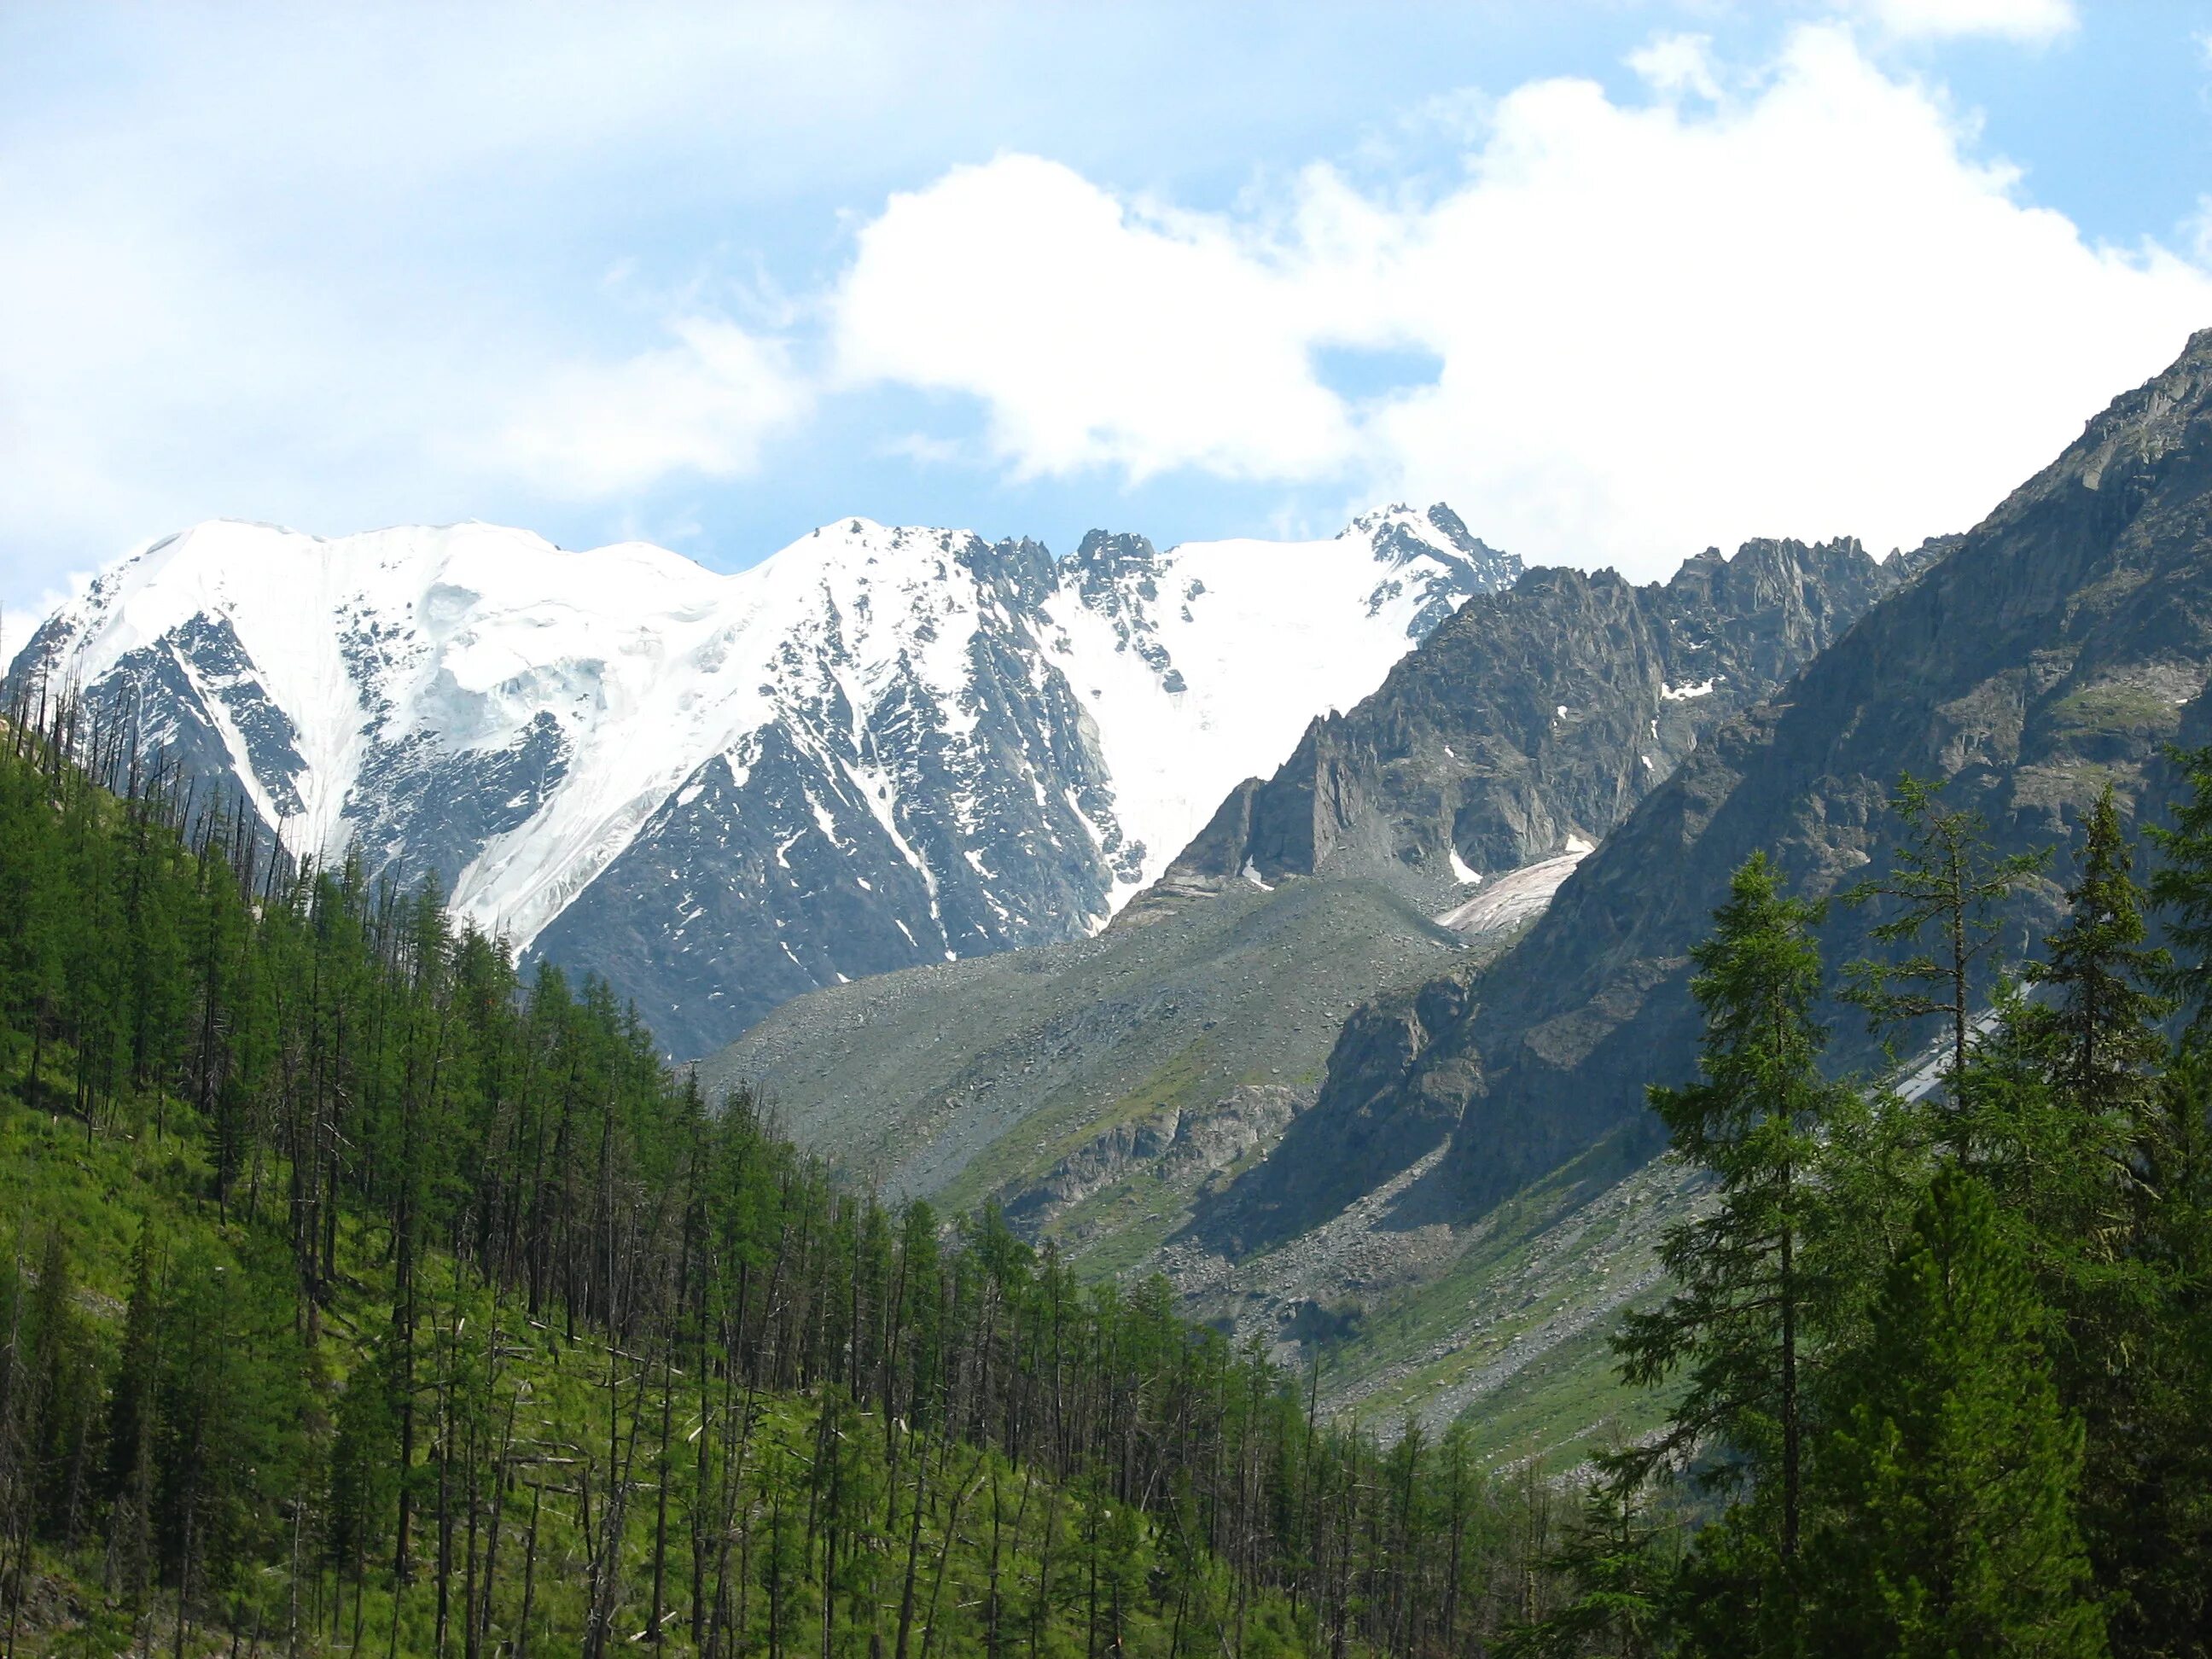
(1617, 280)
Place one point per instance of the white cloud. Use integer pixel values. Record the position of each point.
(1676, 63)
(704, 405)
(1073, 312)
(2033, 22)
(1804, 309)
(417, 270)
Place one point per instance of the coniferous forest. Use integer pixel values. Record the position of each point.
(356, 1295)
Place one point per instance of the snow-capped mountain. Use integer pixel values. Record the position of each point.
(879, 746)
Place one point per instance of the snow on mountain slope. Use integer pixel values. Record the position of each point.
(878, 746)
(1196, 662)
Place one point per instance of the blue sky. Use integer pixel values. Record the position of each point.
(1617, 280)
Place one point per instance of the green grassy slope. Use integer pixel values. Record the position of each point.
(971, 1080)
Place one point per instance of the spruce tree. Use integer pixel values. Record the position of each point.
(2099, 1010)
(2067, 1127)
(2163, 1563)
(2181, 887)
(1617, 1562)
(1949, 1467)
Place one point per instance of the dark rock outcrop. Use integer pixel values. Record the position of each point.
(1535, 718)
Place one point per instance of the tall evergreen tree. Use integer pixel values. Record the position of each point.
(2182, 889)
(1742, 1324)
(1617, 1566)
(1949, 1467)
(2099, 1011)
(2067, 1126)
(2168, 1575)
(1943, 879)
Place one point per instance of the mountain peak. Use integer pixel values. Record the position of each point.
(864, 538)
(1400, 535)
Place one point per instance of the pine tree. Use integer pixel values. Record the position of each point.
(2064, 1124)
(1618, 1563)
(1950, 1466)
(2163, 1563)
(2099, 1012)
(133, 1425)
(2071, 1125)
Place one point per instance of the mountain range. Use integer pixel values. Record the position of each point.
(878, 747)
(1303, 921)
(1465, 1186)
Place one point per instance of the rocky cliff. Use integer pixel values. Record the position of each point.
(2054, 649)
(1521, 733)
(1534, 721)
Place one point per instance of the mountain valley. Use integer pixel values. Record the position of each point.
(950, 837)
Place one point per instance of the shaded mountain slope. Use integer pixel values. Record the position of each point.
(2056, 649)
(1522, 731)
(1475, 731)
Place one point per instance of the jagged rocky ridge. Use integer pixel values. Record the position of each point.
(879, 747)
(2054, 649)
(1536, 719)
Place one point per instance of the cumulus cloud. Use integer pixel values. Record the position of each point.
(704, 404)
(363, 285)
(1072, 313)
(1799, 306)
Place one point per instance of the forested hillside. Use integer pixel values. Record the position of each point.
(355, 1297)
(1939, 1359)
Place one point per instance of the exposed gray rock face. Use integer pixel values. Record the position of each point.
(187, 716)
(2055, 649)
(1175, 1145)
(1376, 1124)
(1535, 718)
(831, 846)
(1520, 734)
